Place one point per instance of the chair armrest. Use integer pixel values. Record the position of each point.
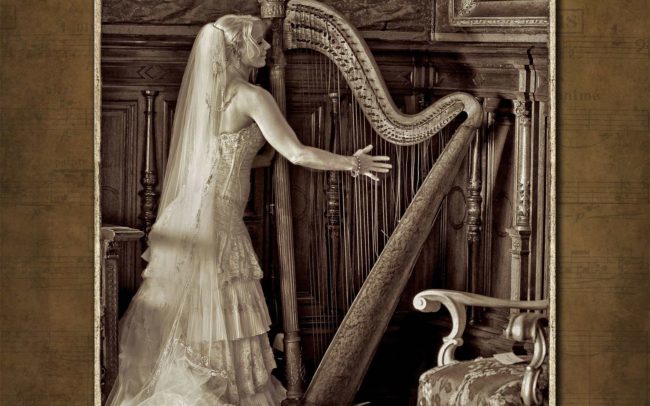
(431, 300)
(111, 233)
(529, 327)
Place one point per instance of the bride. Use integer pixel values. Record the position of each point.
(196, 331)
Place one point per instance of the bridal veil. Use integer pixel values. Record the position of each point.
(180, 323)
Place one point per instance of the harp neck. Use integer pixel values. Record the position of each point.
(311, 25)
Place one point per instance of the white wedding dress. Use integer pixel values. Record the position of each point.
(201, 339)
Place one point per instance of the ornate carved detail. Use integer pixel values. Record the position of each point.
(467, 14)
(529, 327)
(523, 203)
(466, 7)
(474, 199)
(272, 8)
(523, 327)
(108, 319)
(430, 302)
(522, 215)
(501, 22)
(111, 237)
(152, 72)
(521, 111)
(474, 224)
(312, 25)
(515, 241)
(150, 176)
(295, 370)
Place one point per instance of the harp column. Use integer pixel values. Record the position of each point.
(275, 11)
(520, 233)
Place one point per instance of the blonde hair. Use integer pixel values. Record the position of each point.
(238, 32)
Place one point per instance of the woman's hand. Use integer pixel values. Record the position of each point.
(366, 164)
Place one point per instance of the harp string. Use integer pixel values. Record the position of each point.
(368, 211)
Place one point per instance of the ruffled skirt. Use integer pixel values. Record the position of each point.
(203, 343)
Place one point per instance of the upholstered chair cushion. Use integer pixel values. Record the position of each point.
(480, 382)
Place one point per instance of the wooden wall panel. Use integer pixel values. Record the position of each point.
(118, 160)
(376, 15)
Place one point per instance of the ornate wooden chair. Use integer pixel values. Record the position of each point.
(486, 381)
(112, 237)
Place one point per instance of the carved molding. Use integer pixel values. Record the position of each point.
(522, 113)
(272, 8)
(466, 7)
(475, 13)
(523, 203)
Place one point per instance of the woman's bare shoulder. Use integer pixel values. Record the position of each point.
(253, 93)
(249, 98)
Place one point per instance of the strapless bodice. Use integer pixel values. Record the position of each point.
(234, 153)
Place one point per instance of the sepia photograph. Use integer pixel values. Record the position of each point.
(326, 203)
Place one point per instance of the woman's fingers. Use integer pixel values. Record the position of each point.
(371, 176)
(373, 163)
(363, 150)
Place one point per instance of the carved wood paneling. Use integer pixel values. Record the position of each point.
(164, 121)
(539, 203)
(513, 17)
(498, 13)
(376, 15)
(121, 148)
(386, 15)
(172, 12)
(118, 160)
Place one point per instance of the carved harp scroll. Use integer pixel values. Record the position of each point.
(310, 25)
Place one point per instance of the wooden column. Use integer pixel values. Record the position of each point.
(275, 10)
(474, 201)
(520, 233)
(150, 175)
(333, 214)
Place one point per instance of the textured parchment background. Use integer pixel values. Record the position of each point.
(46, 213)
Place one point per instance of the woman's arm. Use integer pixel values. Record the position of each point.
(261, 107)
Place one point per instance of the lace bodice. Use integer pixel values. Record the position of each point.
(234, 154)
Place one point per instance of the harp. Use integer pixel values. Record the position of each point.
(307, 24)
